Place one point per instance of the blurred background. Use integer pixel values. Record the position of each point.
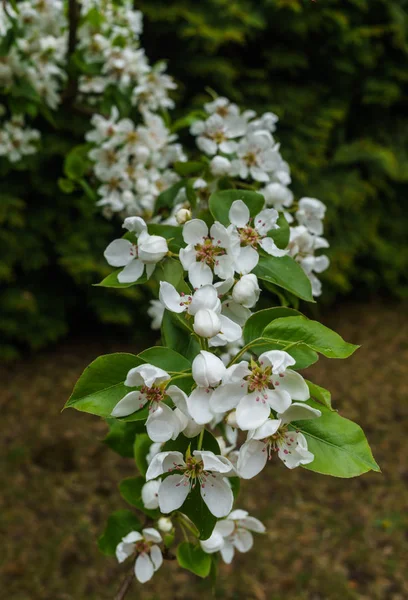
(335, 72)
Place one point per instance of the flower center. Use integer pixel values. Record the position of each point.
(218, 136)
(193, 472)
(142, 546)
(185, 300)
(208, 252)
(154, 395)
(250, 158)
(281, 438)
(249, 236)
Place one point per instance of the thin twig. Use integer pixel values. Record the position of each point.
(126, 583)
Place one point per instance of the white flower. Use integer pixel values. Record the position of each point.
(208, 252)
(310, 214)
(156, 312)
(150, 496)
(164, 524)
(183, 215)
(246, 291)
(202, 468)
(253, 236)
(270, 385)
(279, 197)
(148, 251)
(207, 323)
(222, 107)
(144, 545)
(258, 157)
(233, 533)
(220, 166)
(302, 246)
(274, 435)
(217, 133)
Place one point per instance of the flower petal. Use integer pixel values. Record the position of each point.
(151, 535)
(251, 459)
(143, 568)
(132, 272)
(164, 462)
(119, 253)
(170, 297)
(293, 383)
(247, 260)
(252, 524)
(212, 462)
(172, 493)
(200, 274)
(156, 557)
(299, 412)
(162, 425)
(226, 397)
(271, 248)
(252, 413)
(146, 374)
(195, 231)
(129, 404)
(199, 405)
(227, 552)
(239, 213)
(243, 540)
(278, 400)
(217, 495)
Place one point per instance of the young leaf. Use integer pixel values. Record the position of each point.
(169, 270)
(165, 358)
(258, 321)
(312, 333)
(281, 235)
(339, 446)
(177, 337)
(320, 394)
(119, 524)
(102, 384)
(196, 510)
(221, 202)
(194, 559)
(166, 199)
(285, 273)
(189, 168)
(112, 280)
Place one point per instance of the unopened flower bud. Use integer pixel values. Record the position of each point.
(246, 291)
(206, 323)
(220, 166)
(165, 524)
(208, 369)
(183, 215)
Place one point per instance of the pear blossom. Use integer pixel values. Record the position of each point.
(246, 291)
(270, 385)
(146, 252)
(145, 546)
(220, 166)
(222, 107)
(156, 312)
(208, 252)
(311, 214)
(254, 235)
(217, 133)
(302, 246)
(274, 436)
(257, 157)
(233, 533)
(202, 468)
(164, 524)
(279, 197)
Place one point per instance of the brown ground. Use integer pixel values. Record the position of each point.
(328, 539)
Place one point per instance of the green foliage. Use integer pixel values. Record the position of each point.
(194, 559)
(120, 523)
(336, 75)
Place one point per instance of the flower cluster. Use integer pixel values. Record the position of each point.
(109, 42)
(132, 162)
(17, 140)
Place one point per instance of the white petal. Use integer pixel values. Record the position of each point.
(279, 360)
(195, 231)
(187, 257)
(200, 274)
(212, 462)
(208, 369)
(170, 297)
(129, 404)
(217, 495)
(150, 492)
(247, 260)
(213, 544)
(205, 297)
(299, 412)
(226, 526)
(146, 375)
(239, 213)
(224, 267)
(251, 459)
(220, 235)
(163, 462)
(133, 536)
(132, 272)
(278, 400)
(252, 413)
(226, 397)
(156, 557)
(124, 550)
(252, 524)
(227, 553)
(143, 568)
(135, 224)
(229, 329)
(293, 383)
(199, 405)
(179, 398)
(151, 535)
(172, 493)
(162, 425)
(243, 540)
(119, 253)
(271, 248)
(270, 427)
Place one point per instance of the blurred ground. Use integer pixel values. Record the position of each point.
(328, 539)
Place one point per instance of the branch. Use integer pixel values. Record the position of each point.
(126, 583)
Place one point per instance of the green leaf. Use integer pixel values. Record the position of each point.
(188, 120)
(102, 384)
(112, 280)
(196, 510)
(66, 185)
(339, 445)
(235, 485)
(165, 358)
(285, 273)
(167, 198)
(313, 334)
(174, 335)
(141, 448)
(189, 168)
(320, 394)
(258, 321)
(281, 235)
(131, 491)
(194, 559)
(120, 523)
(221, 202)
(121, 436)
(169, 270)
(77, 162)
(172, 233)
(182, 443)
